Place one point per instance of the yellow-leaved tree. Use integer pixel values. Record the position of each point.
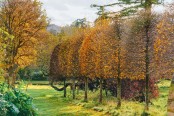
(23, 19)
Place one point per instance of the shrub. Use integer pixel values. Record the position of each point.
(133, 89)
(14, 102)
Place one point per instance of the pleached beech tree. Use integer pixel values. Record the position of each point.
(131, 9)
(23, 19)
(58, 64)
(54, 71)
(140, 52)
(149, 38)
(85, 59)
(73, 69)
(119, 35)
(63, 60)
(148, 33)
(95, 52)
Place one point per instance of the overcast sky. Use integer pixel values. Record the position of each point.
(63, 12)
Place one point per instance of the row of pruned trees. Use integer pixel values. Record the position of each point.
(140, 48)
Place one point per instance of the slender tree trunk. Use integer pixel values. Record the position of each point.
(73, 88)
(118, 31)
(14, 78)
(29, 81)
(148, 6)
(64, 83)
(119, 75)
(147, 70)
(118, 92)
(86, 89)
(101, 88)
(106, 90)
(78, 89)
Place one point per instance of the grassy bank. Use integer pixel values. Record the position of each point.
(50, 102)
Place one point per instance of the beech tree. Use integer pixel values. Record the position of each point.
(140, 52)
(65, 59)
(119, 33)
(73, 68)
(85, 62)
(95, 52)
(147, 5)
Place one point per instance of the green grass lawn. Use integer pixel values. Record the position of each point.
(170, 107)
(37, 82)
(51, 103)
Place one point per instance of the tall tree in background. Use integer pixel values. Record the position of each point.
(44, 48)
(23, 19)
(147, 6)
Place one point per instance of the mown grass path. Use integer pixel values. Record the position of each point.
(51, 103)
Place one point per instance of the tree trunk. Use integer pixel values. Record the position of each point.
(148, 6)
(14, 78)
(73, 88)
(101, 88)
(118, 92)
(77, 89)
(147, 70)
(119, 76)
(106, 91)
(118, 31)
(29, 81)
(64, 83)
(86, 89)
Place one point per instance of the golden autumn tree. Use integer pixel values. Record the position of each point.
(44, 50)
(73, 69)
(64, 62)
(23, 19)
(4, 36)
(54, 70)
(119, 33)
(139, 50)
(85, 62)
(164, 47)
(96, 51)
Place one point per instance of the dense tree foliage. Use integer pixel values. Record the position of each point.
(122, 52)
(25, 25)
(125, 55)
